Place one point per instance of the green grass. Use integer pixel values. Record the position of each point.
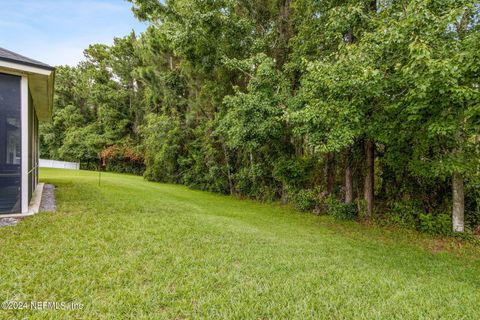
(132, 249)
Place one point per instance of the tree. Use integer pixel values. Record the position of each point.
(422, 52)
(289, 99)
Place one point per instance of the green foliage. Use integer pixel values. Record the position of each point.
(203, 167)
(402, 213)
(253, 181)
(163, 138)
(294, 173)
(97, 105)
(81, 144)
(340, 210)
(435, 224)
(254, 119)
(472, 205)
(250, 98)
(305, 200)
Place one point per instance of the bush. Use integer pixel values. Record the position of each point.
(340, 210)
(253, 182)
(305, 200)
(440, 224)
(472, 204)
(402, 213)
(123, 159)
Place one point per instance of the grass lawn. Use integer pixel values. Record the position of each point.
(132, 249)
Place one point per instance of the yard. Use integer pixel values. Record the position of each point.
(131, 249)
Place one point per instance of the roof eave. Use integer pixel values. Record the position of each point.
(28, 64)
(41, 85)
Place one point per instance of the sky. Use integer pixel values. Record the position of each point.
(57, 31)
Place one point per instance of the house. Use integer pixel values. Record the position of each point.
(26, 98)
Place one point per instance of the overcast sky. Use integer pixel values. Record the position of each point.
(57, 31)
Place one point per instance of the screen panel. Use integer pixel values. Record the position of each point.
(10, 144)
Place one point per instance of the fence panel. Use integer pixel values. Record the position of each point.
(46, 163)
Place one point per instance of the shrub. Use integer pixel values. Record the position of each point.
(340, 210)
(402, 213)
(123, 159)
(305, 200)
(253, 182)
(435, 224)
(472, 204)
(362, 212)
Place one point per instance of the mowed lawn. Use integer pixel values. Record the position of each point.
(131, 249)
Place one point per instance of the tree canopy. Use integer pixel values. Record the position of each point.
(362, 108)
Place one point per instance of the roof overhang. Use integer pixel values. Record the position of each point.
(40, 84)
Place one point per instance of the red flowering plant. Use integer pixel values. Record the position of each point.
(123, 158)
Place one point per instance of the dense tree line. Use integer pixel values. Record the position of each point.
(361, 108)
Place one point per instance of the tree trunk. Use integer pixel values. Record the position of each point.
(348, 179)
(458, 211)
(283, 33)
(330, 171)
(369, 178)
(229, 174)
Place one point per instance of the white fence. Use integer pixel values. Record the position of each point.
(44, 163)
